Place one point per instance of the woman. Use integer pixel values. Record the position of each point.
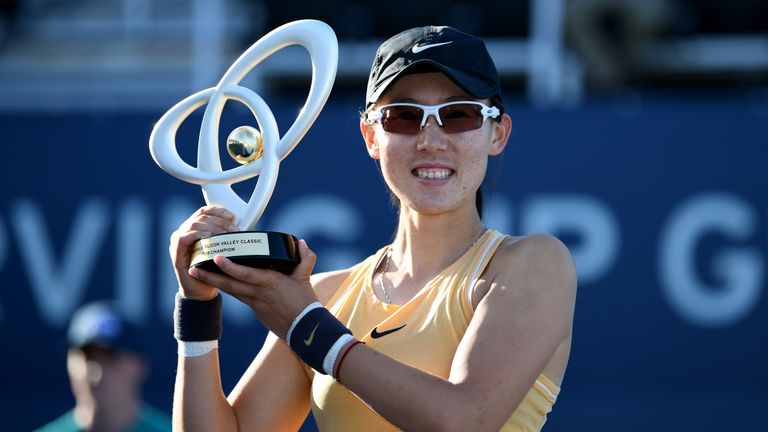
(462, 328)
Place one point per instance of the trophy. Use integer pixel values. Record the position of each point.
(258, 151)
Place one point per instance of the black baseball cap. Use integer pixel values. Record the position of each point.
(101, 324)
(460, 56)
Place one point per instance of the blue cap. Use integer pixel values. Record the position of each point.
(101, 324)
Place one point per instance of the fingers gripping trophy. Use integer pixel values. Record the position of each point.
(258, 151)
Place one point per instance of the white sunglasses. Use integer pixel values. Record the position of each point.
(453, 117)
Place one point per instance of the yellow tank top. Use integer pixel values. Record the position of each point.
(424, 333)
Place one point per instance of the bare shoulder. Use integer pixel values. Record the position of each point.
(326, 283)
(540, 263)
(539, 248)
(527, 297)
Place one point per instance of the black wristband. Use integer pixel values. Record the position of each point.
(314, 335)
(197, 320)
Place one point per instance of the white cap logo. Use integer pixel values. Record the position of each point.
(419, 48)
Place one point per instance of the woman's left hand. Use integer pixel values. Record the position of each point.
(275, 298)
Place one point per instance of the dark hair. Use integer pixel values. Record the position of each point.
(498, 103)
(479, 201)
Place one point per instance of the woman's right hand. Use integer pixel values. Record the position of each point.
(204, 222)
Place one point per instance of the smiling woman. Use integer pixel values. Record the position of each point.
(445, 147)
(450, 327)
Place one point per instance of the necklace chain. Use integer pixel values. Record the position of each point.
(388, 258)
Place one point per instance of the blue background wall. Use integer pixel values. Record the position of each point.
(661, 199)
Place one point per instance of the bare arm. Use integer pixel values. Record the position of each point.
(198, 398)
(514, 332)
(281, 373)
(517, 327)
(273, 394)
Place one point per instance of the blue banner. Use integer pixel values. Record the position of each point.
(662, 202)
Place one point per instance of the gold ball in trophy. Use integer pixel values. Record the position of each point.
(245, 144)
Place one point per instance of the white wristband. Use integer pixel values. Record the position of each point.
(330, 359)
(196, 349)
(298, 318)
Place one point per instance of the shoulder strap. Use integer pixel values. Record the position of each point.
(480, 260)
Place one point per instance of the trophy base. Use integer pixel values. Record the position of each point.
(259, 249)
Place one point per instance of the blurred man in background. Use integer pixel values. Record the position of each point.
(106, 371)
(612, 36)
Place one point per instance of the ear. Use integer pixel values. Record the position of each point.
(501, 132)
(369, 135)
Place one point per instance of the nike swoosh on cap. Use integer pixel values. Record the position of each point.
(419, 48)
(375, 332)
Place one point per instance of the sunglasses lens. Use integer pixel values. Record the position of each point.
(455, 118)
(401, 119)
(461, 117)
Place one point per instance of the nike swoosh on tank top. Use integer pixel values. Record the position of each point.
(435, 320)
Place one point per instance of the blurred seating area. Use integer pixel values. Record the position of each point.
(145, 54)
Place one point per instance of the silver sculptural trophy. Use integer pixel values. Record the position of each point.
(259, 153)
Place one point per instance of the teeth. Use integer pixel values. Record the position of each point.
(432, 173)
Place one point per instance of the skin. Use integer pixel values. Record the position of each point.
(524, 300)
(107, 387)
